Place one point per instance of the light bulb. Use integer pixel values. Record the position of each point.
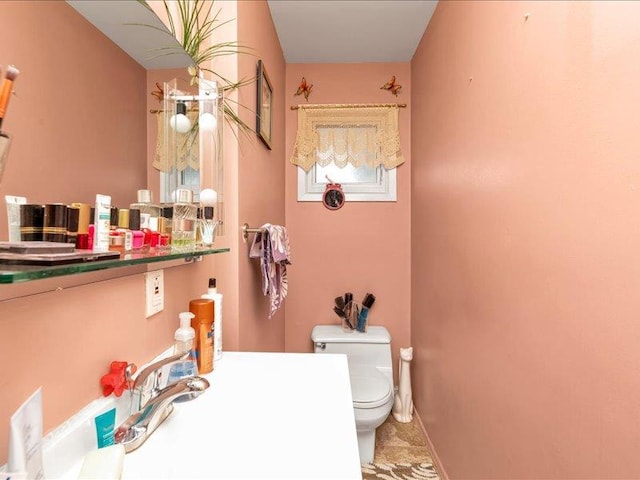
(180, 123)
(208, 197)
(208, 122)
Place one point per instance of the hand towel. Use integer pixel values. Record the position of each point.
(271, 246)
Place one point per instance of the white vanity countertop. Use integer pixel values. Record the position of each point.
(266, 415)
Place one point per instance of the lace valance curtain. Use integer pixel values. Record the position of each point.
(174, 149)
(356, 135)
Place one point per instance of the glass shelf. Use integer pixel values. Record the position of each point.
(23, 273)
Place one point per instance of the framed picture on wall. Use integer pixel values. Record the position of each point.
(264, 107)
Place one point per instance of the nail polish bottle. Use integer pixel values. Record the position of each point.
(123, 228)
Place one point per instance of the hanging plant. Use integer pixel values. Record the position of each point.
(195, 26)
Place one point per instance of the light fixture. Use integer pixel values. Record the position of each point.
(179, 122)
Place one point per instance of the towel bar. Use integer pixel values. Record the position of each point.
(246, 230)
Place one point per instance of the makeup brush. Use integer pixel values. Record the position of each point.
(340, 303)
(5, 90)
(367, 302)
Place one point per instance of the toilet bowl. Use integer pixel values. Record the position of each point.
(370, 374)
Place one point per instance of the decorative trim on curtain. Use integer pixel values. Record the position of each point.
(359, 135)
(179, 150)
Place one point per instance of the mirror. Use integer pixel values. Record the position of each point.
(79, 118)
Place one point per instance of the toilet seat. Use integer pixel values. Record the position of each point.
(369, 387)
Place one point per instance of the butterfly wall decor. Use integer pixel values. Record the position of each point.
(159, 94)
(304, 89)
(392, 86)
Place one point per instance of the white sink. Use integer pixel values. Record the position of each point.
(266, 415)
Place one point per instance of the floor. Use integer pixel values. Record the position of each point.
(401, 452)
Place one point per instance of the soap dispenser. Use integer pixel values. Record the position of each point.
(184, 337)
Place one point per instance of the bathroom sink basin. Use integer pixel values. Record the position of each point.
(266, 415)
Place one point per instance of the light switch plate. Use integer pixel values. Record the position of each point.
(154, 288)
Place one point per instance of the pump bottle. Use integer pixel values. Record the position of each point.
(184, 337)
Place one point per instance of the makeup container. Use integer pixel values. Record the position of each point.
(31, 222)
(73, 216)
(137, 236)
(123, 228)
(183, 229)
(113, 218)
(149, 212)
(84, 218)
(55, 223)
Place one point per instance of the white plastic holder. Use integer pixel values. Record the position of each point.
(402, 403)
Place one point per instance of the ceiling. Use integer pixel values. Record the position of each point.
(350, 31)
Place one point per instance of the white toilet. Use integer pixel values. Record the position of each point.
(371, 374)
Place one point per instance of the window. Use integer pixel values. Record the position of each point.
(355, 146)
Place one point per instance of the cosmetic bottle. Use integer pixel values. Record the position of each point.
(202, 323)
(101, 223)
(183, 229)
(207, 226)
(149, 212)
(123, 229)
(137, 237)
(213, 294)
(73, 217)
(184, 342)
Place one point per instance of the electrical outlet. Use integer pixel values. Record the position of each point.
(154, 288)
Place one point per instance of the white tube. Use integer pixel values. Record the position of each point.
(25, 439)
(101, 221)
(13, 215)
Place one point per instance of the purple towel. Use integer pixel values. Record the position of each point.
(271, 246)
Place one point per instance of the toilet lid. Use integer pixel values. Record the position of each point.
(369, 388)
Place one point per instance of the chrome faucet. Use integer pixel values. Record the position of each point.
(138, 427)
(147, 383)
(152, 402)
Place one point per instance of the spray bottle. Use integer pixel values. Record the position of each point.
(212, 294)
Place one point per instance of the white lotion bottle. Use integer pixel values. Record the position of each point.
(212, 294)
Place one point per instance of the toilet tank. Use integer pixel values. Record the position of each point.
(370, 348)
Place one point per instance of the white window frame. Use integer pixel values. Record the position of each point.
(310, 188)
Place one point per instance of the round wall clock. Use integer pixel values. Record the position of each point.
(333, 196)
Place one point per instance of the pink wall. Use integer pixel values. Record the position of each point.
(74, 137)
(526, 229)
(260, 189)
(364, 246)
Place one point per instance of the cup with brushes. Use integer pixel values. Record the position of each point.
(352, 315)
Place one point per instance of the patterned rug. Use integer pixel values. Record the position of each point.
(399, 471)
(401, 453)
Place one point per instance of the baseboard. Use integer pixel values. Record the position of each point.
(434, 455)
